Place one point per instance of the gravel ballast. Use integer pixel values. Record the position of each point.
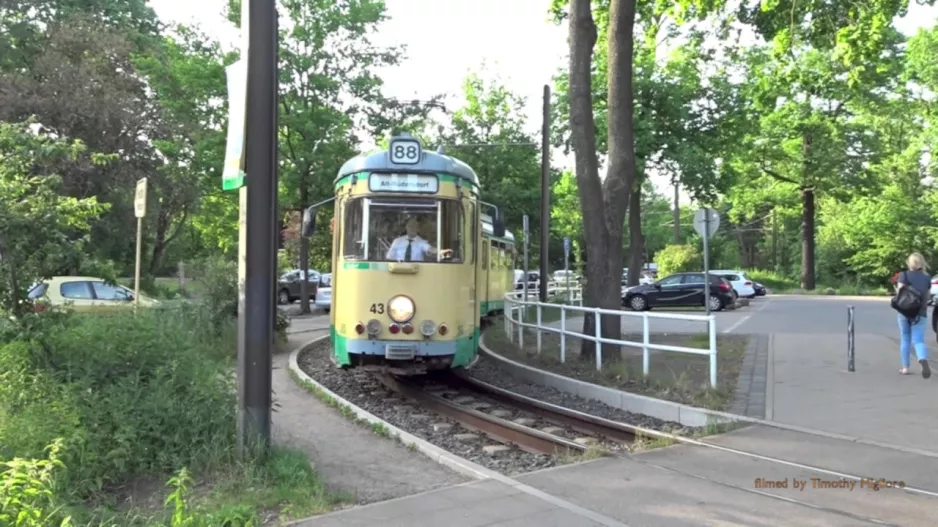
(487, 369)
(362, 389)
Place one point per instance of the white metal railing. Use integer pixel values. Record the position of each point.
(572, 294)
(515, 308)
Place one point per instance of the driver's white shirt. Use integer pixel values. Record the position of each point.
(418, 248)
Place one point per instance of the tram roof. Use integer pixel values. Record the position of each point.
(430, 162)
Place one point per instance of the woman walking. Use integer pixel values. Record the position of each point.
(912, 331)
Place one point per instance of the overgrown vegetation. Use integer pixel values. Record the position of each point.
(93, 407)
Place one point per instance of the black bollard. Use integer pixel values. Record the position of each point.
(850, 364)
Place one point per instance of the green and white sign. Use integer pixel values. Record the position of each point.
(233, 175)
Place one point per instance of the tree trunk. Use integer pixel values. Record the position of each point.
(808, 279)
(636, 240)
(603, 203)
(159, 244)
(304, 255)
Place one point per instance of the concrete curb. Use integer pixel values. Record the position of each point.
(667, 410)
(437, 454)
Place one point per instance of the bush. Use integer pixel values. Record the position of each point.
(128, 394)
(219, 278)
(678, 259)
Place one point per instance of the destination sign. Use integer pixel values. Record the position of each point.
(419, 183)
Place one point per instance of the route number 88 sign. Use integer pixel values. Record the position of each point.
(405, 151)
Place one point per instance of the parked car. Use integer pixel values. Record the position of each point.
(679, 290)
(288, 287)
(760, 289)
(534, 279)
(324, 298)
(741, 283)
(561, 275)
(84, 294)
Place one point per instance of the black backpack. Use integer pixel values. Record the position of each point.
(908, 301)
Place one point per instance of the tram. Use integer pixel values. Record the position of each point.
(419, 262)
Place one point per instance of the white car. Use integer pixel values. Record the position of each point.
(933, 291)
(741, 283)
(324, 298)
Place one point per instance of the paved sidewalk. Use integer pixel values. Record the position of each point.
(809, 386)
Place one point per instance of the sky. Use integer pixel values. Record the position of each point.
(447, 39)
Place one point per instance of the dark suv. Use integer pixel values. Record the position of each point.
(679, 290)
(288, 287)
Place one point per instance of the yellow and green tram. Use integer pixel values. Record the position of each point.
(417, 265)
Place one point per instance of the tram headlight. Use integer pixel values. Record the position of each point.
(401, 309)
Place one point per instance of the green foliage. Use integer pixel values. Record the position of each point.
(27, 491)
(218, 278)
(41, 231)
(128, 394)
(678, 259)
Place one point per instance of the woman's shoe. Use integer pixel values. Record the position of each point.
(926, 370)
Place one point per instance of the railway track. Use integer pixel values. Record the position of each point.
(510, 418)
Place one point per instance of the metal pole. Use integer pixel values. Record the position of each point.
(254, 353)
(850, 363)
(706, 247)
(137, 265)
(545, 191)
(525, 233)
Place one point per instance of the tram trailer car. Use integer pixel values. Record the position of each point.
(416, 264)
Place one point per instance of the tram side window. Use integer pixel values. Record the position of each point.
(404, 229)
(352, 247)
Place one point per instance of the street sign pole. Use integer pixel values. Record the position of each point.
(566, 267)
(706, 256)
(706, 222)
(140, 210)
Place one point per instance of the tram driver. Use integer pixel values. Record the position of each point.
(411, 247)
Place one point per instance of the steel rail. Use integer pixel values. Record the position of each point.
(501, 430)
(582, 422)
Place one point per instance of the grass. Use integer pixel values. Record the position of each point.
(678, 377)
(129, 420)
(781, 284)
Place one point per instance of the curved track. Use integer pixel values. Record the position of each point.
(466, 400)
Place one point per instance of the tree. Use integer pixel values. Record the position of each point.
(327, 82)
(488, 134)
(826, 59)
(187, 78)
(72, 67)
(603, 203)
(40, 230)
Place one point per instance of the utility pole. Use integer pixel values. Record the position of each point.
(774, 240)
(677, 214)
(545, 193)
(256, 321)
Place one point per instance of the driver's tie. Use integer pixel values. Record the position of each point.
(407, 252)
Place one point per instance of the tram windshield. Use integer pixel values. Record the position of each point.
(403, 230)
